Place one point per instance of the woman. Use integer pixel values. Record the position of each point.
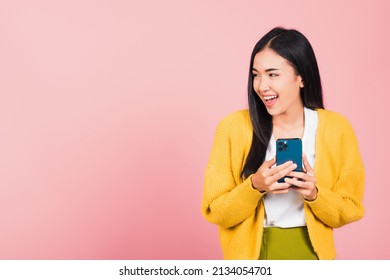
(258, 217)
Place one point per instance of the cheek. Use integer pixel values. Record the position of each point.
(255, 85)
(294, 94)
(291, 89)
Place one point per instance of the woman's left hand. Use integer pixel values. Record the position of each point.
(304, 182)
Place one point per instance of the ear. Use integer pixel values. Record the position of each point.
(301, 84)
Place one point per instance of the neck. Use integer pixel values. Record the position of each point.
(290, 119)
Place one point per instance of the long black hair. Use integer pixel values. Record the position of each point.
(295, 48)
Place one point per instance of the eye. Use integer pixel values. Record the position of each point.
(255, 75)
(273, 75)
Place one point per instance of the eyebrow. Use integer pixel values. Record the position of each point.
(266, 70)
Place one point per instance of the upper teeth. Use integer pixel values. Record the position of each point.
(269, 97)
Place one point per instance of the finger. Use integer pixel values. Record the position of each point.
(296, 183)
(270, 163)
(302, 176)
(282, 173)
(280, 186)
(307, 165)
(276, 169)
(306, 193)
(300, 184)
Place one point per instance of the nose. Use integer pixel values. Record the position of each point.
(263, 84)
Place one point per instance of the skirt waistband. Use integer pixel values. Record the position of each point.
(286, 244)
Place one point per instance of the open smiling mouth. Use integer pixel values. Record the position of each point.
(270, 99)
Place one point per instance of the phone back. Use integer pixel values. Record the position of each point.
(289, 149)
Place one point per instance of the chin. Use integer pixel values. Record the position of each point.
(273, 112)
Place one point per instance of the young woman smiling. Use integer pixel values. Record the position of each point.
(258, 217)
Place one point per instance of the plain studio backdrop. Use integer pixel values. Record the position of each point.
(108, 111)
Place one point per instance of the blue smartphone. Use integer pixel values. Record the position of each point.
(289, 149)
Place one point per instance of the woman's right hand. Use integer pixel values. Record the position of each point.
(266, 177)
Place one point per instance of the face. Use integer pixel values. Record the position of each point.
(276, 83)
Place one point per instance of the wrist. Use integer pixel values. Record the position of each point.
(314, 196)
(255, 186)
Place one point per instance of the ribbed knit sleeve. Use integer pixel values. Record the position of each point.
(227, 199)
(339, 171)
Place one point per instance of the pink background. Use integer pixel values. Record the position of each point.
(108, 110)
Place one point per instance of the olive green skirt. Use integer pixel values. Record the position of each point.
(286, 244)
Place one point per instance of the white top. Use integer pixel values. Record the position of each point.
(286, 210)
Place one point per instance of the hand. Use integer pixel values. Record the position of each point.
(266, 177)
(304, 182)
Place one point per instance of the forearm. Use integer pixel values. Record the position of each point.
(342, 204)
(232, 206)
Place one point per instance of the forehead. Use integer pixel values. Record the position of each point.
(267, 59)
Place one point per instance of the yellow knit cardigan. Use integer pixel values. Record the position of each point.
(238, 209)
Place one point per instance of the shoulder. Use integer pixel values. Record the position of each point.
(333, 123)
(332, 118)
(236, 120)
(235, 126)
